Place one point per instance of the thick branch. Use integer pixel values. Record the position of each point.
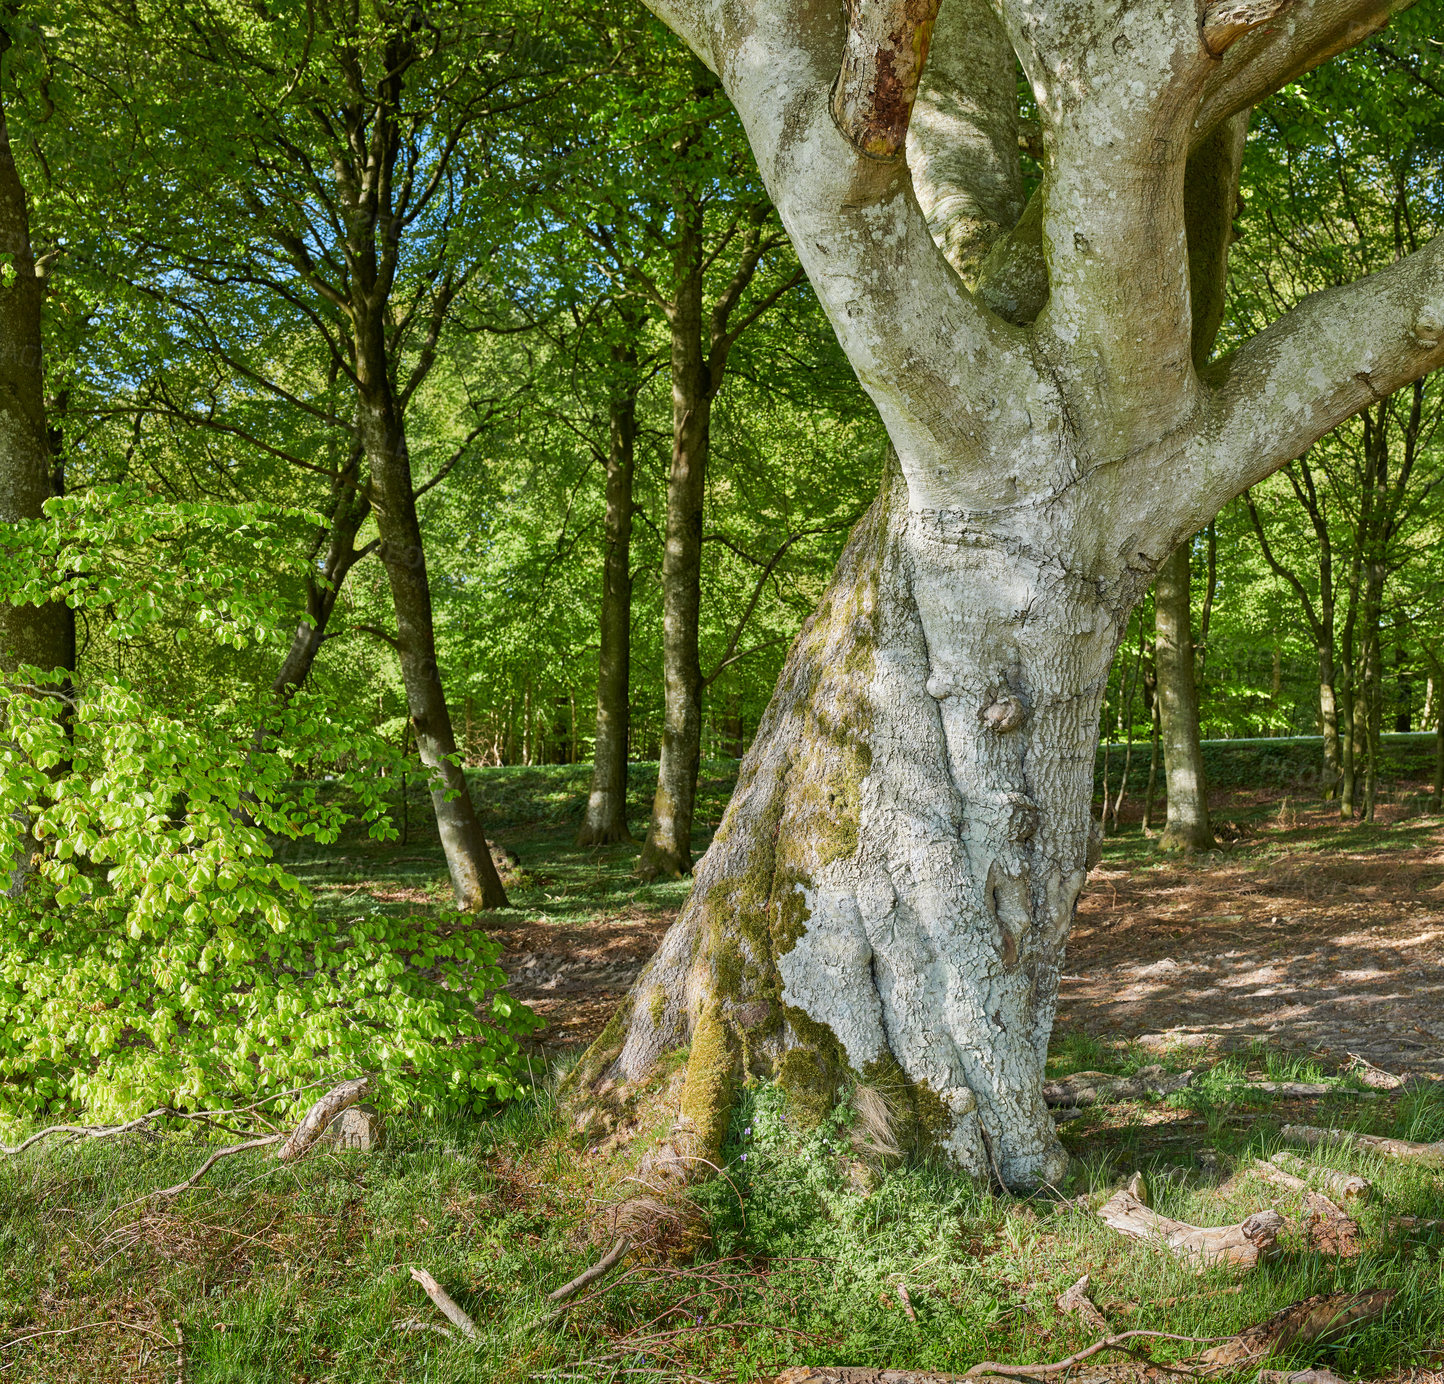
(1336, 353)
(882, 62)
(963, 139)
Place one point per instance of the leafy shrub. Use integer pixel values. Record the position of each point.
(153, 949)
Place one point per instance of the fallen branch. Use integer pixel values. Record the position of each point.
(315, 1121)
(1117, 1342)
(1373, 1076)
(229, 1151)
(1322, 1318)
(1305, 1090)
(1075, 1302)
(446, 1304)
(1405, 1150)
(1242, 1244)
(297, 1144)
(604, 1265)
(85, 1132)
(1099, 1088)
(1344, 1186)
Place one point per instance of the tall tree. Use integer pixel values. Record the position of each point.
(340, 203)
(889, 894)
(605, 819)
(40, 636)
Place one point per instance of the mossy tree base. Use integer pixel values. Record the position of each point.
(886, 901)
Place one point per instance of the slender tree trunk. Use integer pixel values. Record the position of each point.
(1348, 739)
(474, 880)
(1188, 828)
(668, 847)
(733, 731)
(1329, 720)
(350, 508)
(606, 815)
(1148, 797)
(39, 636)
(1437, 801)
(1373, 690)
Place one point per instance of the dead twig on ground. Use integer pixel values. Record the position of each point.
(603, 1266)
(446, 1304)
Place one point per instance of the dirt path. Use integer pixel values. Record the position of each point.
(1334, 951)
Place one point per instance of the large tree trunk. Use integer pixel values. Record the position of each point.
(1187, 827)
(474, 880)
(606, 816)
(668, 847)
(889, 894)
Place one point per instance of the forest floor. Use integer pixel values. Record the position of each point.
(1304, 942)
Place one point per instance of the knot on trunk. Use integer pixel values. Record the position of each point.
(1004, 713)
(1022, 816)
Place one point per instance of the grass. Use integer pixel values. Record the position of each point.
(265, 1274)
(271, 1274)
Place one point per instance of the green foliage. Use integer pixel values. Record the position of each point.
(153, 948)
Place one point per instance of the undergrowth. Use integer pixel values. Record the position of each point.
(268, 1274)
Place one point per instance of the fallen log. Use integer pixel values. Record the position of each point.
(1344, 1186)
(1329, 1227)
(1242, 1244)
(1404, 1150)
(1099, 1088)
(1325, 1317)
(1313, 1321)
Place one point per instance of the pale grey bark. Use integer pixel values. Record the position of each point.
(889, 895)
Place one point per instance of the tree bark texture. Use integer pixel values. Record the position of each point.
(606, 815)
(41, 636)
(1187, 827)
(667, 851)
(888, 897)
